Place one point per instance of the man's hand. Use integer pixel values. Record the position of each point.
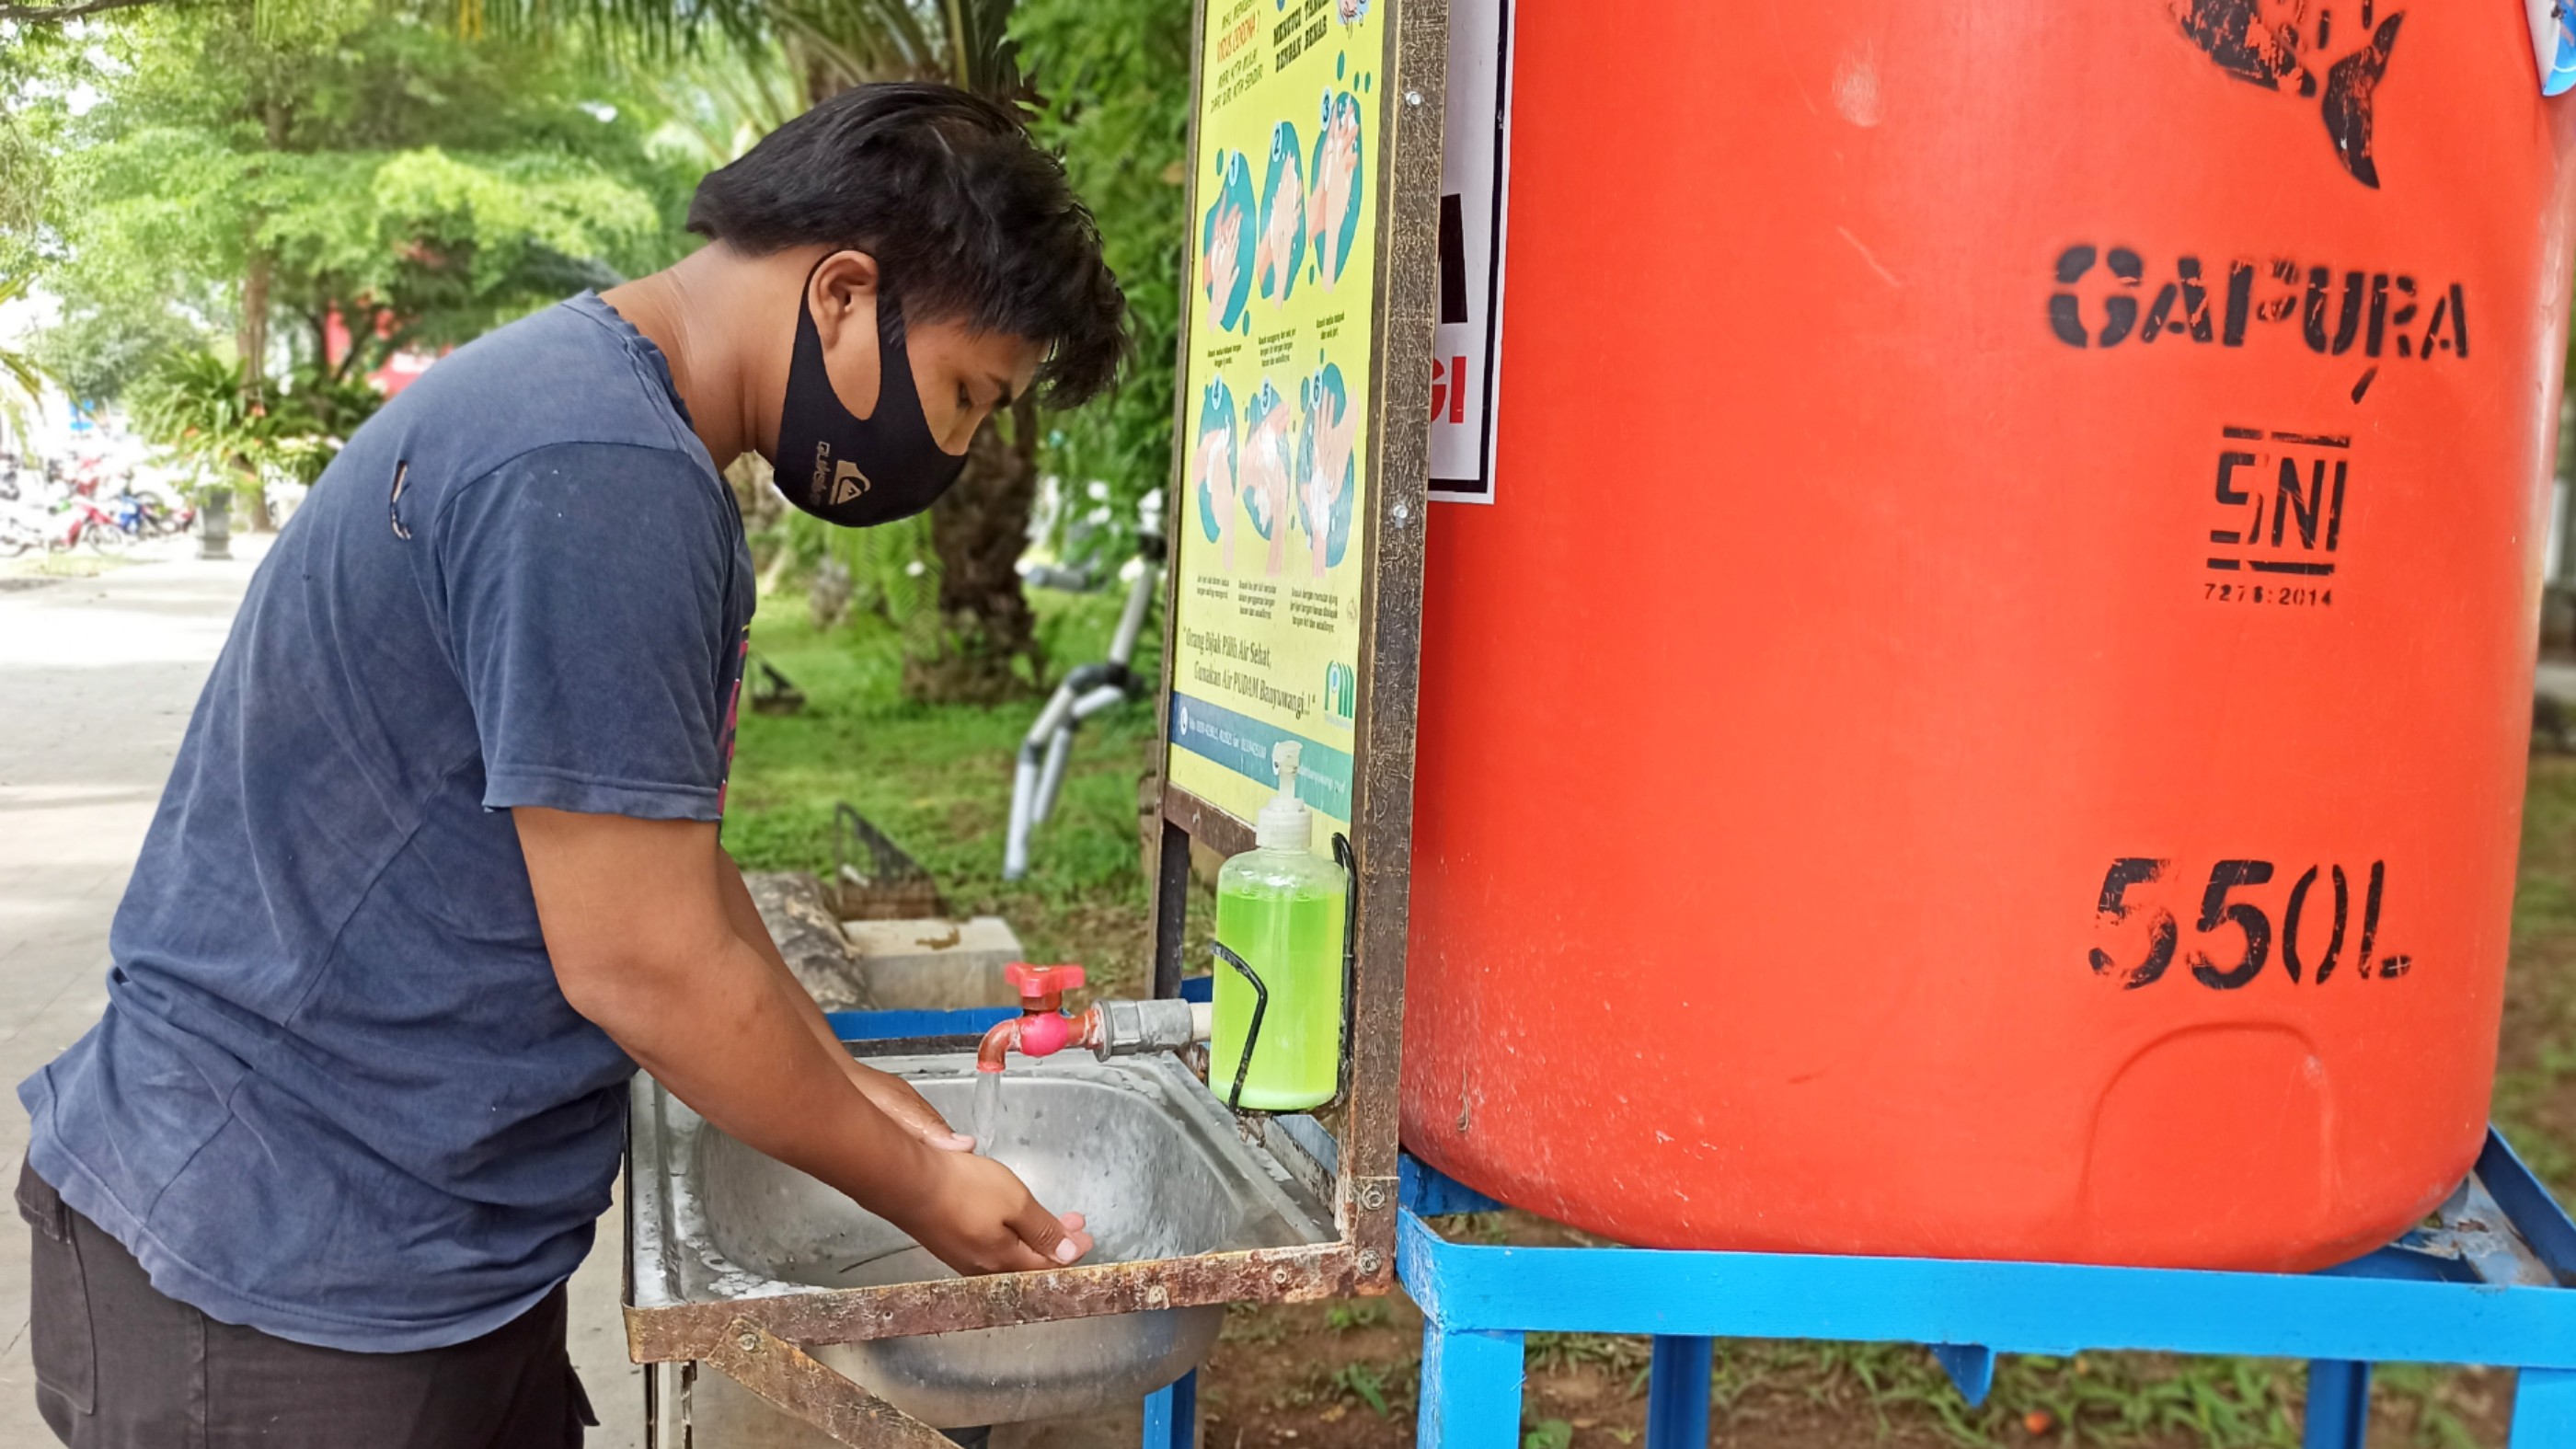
(977, 1217)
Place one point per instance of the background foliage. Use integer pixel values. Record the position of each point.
(352, 162)
(1113, 77)
(217, 180)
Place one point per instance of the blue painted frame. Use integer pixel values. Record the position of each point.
(1172, 1411)
(2479, 1292)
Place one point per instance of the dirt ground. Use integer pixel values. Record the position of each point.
(1342, 1375)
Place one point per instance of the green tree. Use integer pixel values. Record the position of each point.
(22, 381)
(192, 404)
(26, 190)
(1107, 82)
(267, 175)
(985, 645)
(1117, 112)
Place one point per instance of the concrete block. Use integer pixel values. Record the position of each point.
(935, 964)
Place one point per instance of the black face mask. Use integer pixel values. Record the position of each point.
(850, 470)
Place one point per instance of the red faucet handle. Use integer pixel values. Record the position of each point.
(1037, 983)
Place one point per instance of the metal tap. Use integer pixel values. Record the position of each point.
(1107, 1028)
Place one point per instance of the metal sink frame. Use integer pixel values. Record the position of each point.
(1137, 1143)
(691, 1302)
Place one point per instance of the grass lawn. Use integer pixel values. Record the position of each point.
(937, 780)
(1340, 1376)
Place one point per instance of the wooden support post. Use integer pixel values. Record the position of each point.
(1171, 909)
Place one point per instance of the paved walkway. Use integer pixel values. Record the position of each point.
(97, 677)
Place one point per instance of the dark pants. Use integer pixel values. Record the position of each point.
(119, 1366)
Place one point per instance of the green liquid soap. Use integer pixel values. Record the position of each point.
(1283, 910)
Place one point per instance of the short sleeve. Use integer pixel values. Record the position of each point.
(585, 588)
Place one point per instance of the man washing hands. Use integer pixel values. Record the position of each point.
(437, 866)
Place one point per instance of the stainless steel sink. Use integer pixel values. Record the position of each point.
(1137, 1145)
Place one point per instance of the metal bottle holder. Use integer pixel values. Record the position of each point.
(1251, 1033)
(1342, 857)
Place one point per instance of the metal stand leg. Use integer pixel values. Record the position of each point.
(2544, 1409)
(2338, 1405)
(1677, 1394)
(1471, 1390)
(1172, 1414)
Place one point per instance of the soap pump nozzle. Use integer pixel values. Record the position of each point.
(1285, 823)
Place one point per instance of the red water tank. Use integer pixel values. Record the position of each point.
(1988, 715)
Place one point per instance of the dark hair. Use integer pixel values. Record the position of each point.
(968, 219)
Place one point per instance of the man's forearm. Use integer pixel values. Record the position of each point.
(745, 915)
(890, 1094)
(643, 945)
(728, 1038)
(639, 924)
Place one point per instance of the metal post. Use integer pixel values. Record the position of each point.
(2338, 1405)
(1171, 908)
(1471, 1390)
(1172, 1414)
(1677, 1393)
(2544, 1409)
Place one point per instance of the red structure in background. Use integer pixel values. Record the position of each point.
(398, 371)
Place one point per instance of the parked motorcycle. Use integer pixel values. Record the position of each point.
(143, 515)
(83, 520)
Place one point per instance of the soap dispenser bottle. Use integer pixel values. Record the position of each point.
(1281, 911)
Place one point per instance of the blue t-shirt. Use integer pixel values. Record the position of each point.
(337, 1095)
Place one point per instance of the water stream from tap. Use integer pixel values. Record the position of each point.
(984, 1120)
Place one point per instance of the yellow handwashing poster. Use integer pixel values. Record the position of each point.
(1282, 289)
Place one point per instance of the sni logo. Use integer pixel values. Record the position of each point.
(2280, 496)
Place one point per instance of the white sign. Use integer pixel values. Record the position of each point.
(1476, 176)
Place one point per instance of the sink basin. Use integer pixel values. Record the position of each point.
(1137, 1145)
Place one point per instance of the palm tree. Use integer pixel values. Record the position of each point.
(848, 42)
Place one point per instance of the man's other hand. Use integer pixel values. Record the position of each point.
(976, 1216)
